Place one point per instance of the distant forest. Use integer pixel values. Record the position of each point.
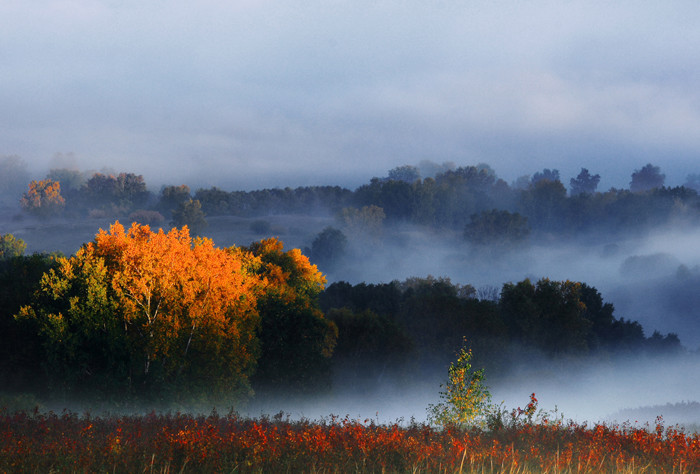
(127, 317)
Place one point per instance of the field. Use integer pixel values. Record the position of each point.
(67, 442)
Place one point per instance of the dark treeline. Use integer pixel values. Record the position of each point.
(425, 320)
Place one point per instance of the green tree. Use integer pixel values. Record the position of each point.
(329, 247)
(466, 398)
(189, 213)
(10, 246)
(549, 315)
(297, 340)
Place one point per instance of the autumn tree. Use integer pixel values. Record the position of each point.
(43, 198)
(135, 311)
(297, 340)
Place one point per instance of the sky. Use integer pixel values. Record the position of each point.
(251, 94)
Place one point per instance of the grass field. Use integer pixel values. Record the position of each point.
(67, 442)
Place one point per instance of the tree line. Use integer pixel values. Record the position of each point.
(143, 315)
(468, 199)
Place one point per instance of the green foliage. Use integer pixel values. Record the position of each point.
(297, 341)
(190, 214)
(466, 398)
(10, 246)
(549, 315)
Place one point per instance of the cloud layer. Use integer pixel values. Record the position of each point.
(290, 93)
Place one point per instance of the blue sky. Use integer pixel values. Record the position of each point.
(251, 93)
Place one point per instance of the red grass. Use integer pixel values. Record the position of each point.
(163, 443)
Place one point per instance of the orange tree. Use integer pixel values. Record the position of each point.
(140, 312)
(297, 340)
(43, 198)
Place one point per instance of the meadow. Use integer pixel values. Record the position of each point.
(178, 442)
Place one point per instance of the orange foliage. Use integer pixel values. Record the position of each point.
(43, 197)
(174, 290)
(288, 274)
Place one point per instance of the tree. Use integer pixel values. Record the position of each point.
(70, 179)
(549, 315)
(122, 192)
(137, 310)
(496, 227)
(43, 198)
(10, 247)
(20, 348)
(549, 175)
(406, 173)
(329, 247)
(647, 178)
(171, 197)
(544, 203)
(189, 213)
(466, 399)
(297, 341)
(584, 183)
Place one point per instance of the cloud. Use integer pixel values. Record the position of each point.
(304, 92)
